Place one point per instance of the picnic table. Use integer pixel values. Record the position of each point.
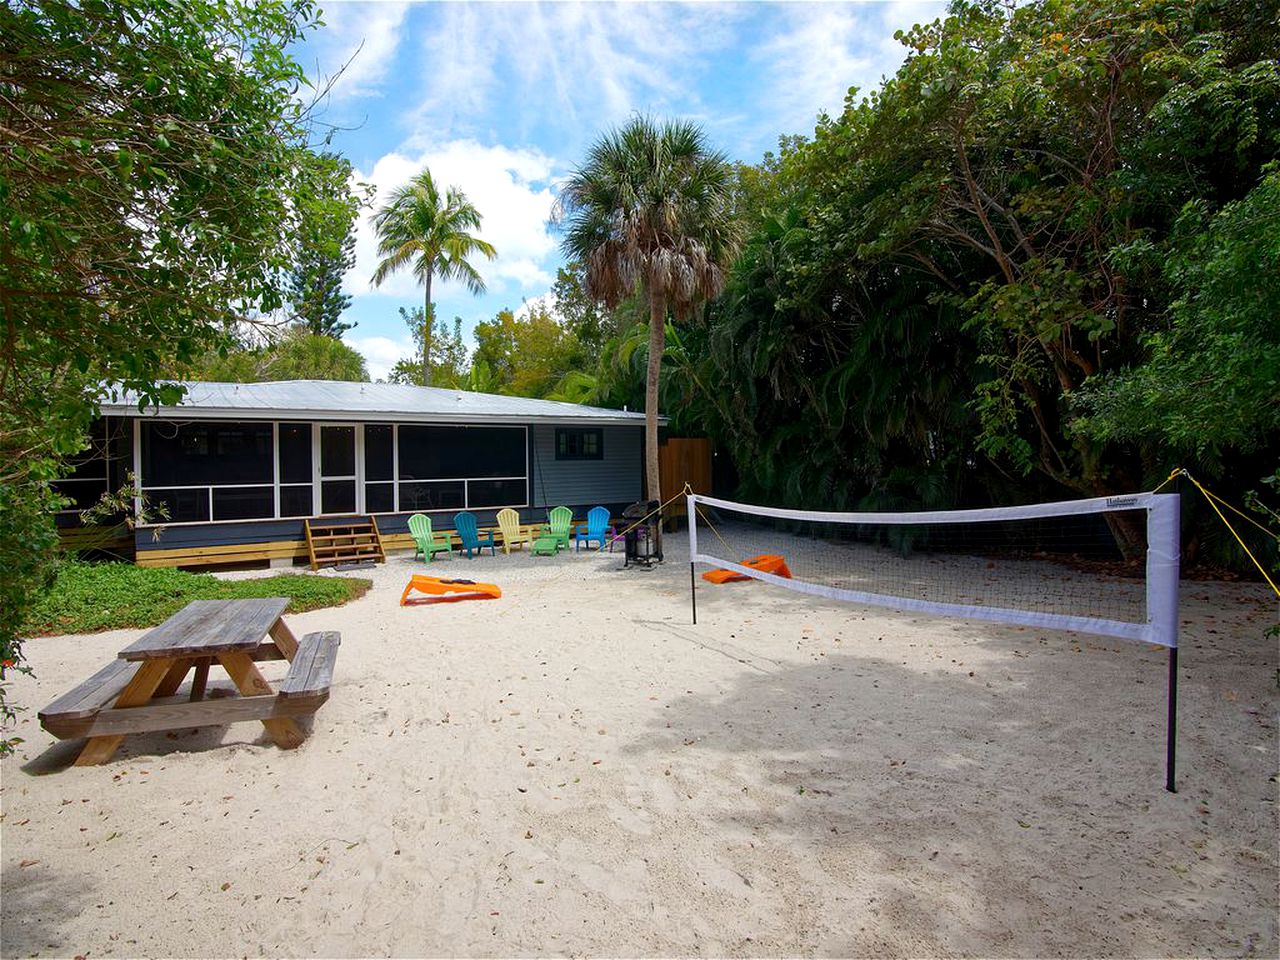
(137, 692)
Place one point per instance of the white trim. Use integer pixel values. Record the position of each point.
(372, 416)
(1062, 508)
(137, 470)
(275, 468)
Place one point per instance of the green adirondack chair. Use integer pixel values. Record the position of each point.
(560, 518)
(428, 543)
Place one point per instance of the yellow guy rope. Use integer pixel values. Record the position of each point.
(1214, 500)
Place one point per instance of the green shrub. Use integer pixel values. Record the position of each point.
(87, 597)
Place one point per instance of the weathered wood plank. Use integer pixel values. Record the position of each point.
(311, 672)
(182, 715)
(89, 697)
(209, 627)
(173, 679)
(250, 682)
(138, 692)
(286, 643)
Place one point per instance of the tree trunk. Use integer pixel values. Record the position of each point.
(657, 342)
(427, 323)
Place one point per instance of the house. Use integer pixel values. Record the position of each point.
(237, 467)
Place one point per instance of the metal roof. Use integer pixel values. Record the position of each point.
(339, 400)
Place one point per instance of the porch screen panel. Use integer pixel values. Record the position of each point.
(449, 468)
(497, 493)
(379, 468)
(457, 453)
(295, 470)
(206, 454)
(210, 470)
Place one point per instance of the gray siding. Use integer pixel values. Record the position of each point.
(615, 479)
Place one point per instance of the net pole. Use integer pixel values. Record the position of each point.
(693, 552)
(693, 594)
(1163, 556)
(1171, 741)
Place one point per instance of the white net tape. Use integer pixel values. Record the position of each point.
(977, 564)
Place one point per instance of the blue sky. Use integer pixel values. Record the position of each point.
(502, 100)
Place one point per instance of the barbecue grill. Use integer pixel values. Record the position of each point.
(643, 538)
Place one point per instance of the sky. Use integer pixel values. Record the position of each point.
(503, 99)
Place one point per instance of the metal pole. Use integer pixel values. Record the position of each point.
(1172, 733)
(693, 594)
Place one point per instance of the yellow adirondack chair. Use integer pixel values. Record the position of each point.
(509, 524)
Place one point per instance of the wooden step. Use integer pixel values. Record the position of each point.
(353, 541)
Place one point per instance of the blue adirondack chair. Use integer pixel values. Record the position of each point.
(597, 528)
(465, 524)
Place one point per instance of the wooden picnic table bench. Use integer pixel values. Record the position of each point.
(136, 693)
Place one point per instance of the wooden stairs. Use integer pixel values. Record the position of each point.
(345, 540)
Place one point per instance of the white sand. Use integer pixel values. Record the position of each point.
(575, 769)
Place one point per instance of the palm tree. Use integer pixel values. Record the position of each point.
(650, 209)
(419, 227)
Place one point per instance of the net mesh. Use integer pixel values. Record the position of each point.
(1055, 570)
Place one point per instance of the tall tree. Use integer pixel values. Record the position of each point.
(447, 351)
(650, 208)
(420, 228)
(527, 354)
(154, 165)
(326, 244)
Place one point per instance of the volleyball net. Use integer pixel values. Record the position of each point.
(1049, 565)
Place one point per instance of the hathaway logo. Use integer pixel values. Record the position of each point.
(1121, 501)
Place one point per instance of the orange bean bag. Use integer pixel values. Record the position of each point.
(447, 591)
(765, 563)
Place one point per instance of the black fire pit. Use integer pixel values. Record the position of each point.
(643, 538)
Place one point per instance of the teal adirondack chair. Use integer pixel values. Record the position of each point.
(428, 543)
(560, 518)
(597, 526)
(469, 533)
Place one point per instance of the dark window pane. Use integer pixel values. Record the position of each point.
(579, 444)
(377, 452)
(432, 496)
(338, 496)
(243, 503)
(180, 506)
(446, 452)
(91, 463)
(295, 453)
(379, 497)
(337, 451)
(199, 453)
(83, 494)
(496, 493)
(295, 501)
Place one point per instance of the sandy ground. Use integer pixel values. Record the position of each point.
(575, 769)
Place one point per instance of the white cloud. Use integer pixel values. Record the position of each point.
(511, 189)
(572, 64)
(367, 35)
(381, 353)
(822, 50)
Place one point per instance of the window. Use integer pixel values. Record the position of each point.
(379, 468)
(90, 476)
(575, 443)
(451, 468)
(212, 470)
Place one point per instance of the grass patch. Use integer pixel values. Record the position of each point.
(88, 597)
